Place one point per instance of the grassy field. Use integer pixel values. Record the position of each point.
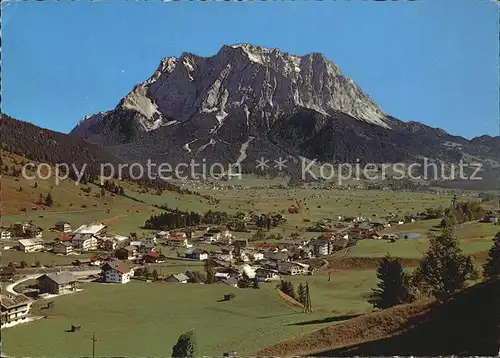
(141, 319)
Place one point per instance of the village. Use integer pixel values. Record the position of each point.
(229, 259)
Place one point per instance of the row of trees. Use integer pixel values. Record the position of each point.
(175, 219)
(462, 212)
(444, 270)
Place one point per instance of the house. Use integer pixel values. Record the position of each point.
(126, 253)
(154, 257)
(222, 275)
(31, 245)
(145, 248)
(150, 240)
(225, 254)
(5, 235)
(34, 232)
(57, 283)
(116, 273)
(7, 273)
(64, 238)
(233, 282)
(267, 274)
(276, 256)
(63, 226)
(396, 222)
(197, 254)
(177, 241)
(14, 309)
(209, 238)
(163, 235)
(136, 243)
(84, 242)
(63, 247)
(339, 244)
(107, 244)
(177, 278)
(180, 234)
(241, 243)
(92, 229)
(321, 247)
(292, 268)
(119, 238)
(93, 261)
(256, 255)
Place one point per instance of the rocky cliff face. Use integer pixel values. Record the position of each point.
(247, 101)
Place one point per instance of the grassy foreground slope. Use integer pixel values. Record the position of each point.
(467, 325)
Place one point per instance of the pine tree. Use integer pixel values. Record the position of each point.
(103, 192)
(445, 268)
(244, 282)
(492, 266)
(48, 200)
(307, 304)
(301, 293)
(185, 346)
(155, 275)
(210, 271)
(256, 283)
(393, 287)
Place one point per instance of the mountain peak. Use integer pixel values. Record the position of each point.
(252, 84)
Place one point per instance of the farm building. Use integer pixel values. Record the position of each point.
(177, 278)
(233, 282)
(7, 273)
(57, 283)
(5, 235)
(63, 226)
(116, 273)
(126, 253)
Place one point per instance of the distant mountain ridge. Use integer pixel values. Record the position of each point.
(248, 101)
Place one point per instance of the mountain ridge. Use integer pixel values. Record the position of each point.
(291, 105)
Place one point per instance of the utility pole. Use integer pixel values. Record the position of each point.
(93, 344)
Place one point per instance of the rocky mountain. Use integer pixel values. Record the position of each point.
(247, 102)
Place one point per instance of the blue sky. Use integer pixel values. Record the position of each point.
(430, 61)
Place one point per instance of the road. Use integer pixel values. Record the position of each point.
(77, 273)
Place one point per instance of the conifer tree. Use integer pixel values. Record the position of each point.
(445, 269)
(185, 346)
(491, 269)
(393, 287)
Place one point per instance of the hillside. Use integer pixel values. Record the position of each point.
(467, 325)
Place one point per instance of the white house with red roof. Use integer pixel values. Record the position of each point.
(116, 273)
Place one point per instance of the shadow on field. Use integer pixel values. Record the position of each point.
(325, 320)
(281, 315)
